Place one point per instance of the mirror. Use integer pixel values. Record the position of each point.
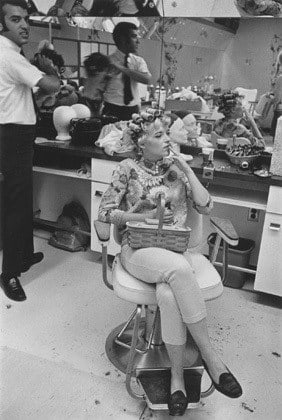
(200, 53)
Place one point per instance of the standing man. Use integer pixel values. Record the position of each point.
(17, 134)
(121, 97)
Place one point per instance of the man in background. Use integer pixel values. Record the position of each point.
(121, 97)
(17, 133)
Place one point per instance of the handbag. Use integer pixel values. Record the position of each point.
(85, 131)
(153, 233)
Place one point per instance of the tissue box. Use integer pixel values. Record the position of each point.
(183, 105)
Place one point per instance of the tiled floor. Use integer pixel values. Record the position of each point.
(53, 362)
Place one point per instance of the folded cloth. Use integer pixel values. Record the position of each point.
(114, 139)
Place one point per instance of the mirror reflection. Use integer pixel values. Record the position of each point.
(221, 80)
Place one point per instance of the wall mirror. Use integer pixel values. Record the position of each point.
(209, 54)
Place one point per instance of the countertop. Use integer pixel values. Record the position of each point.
(55, 154)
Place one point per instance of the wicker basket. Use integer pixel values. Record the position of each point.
(238, 160)
(152, 233)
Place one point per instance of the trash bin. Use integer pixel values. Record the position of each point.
(237, 255)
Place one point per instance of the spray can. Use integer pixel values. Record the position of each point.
(162, 97)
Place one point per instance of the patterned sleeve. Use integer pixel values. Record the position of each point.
(200, 209)
(111, 203)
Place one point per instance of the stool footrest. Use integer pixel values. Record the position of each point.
(156, 385)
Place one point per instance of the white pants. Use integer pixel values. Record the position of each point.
(178, 293)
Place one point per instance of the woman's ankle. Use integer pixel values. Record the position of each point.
(177, 383)
(215, 365)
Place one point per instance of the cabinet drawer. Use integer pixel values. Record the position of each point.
(274, 203)
(269, 269)
(102, 170)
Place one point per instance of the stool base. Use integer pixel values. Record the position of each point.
(155, 358)
(156, 386)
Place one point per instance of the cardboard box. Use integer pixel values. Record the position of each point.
(183, 105)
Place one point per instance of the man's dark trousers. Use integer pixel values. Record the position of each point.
(123, 113)
(16, 156)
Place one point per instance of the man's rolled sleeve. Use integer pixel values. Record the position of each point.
(24, 72)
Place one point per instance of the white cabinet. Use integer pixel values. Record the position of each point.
(269, 269)
(101, 177)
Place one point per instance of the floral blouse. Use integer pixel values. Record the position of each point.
(134, 190)
(229, 127)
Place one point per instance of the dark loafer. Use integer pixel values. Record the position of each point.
(13, 289)
(177, 403)
(34, 259)
(228, 384)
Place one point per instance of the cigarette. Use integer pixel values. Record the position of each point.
(173, 151)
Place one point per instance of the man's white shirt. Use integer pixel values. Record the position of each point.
(17, 78)
(114, 93)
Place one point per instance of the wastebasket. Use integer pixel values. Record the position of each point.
(237, 255)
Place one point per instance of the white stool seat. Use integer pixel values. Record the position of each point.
(136, 291)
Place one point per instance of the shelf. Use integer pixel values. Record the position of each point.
(68, 173)
(239, 197)
(220, 194)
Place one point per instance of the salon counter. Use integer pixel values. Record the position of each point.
(67, 157)
(235, 191)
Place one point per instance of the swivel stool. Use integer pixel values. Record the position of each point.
(136, 347)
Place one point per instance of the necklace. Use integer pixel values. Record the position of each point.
(150, 177)
(152, 168)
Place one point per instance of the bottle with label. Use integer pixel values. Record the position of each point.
(148, 94)
(157, 93)
(162, 97)
(152, 92)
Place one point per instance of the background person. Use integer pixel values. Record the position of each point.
(132, 197)
(66, 94)
(121, 97)
(97, 68)
(123, 8)
(277, 93)
(17, 134)
(104, 8)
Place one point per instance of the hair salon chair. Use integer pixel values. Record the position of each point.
(249, 98)
(136, 347)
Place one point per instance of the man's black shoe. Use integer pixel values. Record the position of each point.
(13, 289)
(34, 259)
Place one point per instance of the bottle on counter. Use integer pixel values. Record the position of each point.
(162, 97)
(157, 93)
(152, 92)
(148, 95)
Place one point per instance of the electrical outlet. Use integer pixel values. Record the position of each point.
(208, 172)
(253, 215)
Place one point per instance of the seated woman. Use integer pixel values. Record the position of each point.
(131, 197)
(233, 122)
